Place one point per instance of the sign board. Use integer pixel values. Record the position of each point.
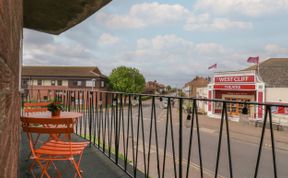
(234, 87)
(235, 79)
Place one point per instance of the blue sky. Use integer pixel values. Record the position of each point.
(170, 41)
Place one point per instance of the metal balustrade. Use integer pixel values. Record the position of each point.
(130, 130)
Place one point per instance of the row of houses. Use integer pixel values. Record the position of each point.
(43, 78)
(267, 82)
(62, 77)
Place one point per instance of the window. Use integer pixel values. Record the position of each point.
(59, 82)
(24, 83)
(102, 84)
(79, 83)
(39, 82)
(53, 82)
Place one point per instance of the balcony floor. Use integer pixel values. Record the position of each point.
(94, 164)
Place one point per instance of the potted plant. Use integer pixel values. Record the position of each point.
(55, 108)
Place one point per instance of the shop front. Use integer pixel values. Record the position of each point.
(242, 86)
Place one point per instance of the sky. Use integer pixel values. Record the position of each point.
(170, 41)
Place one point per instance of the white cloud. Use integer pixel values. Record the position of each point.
(276, 50)
(204, 22)
(158, 13)
(55, 54)
(179, 59)
(163, 42)
(142, 15)
(209, 49)
(247, 7)
(147, 14)
(174, 44)
(108, 39)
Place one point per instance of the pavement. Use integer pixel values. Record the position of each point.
(246, 132)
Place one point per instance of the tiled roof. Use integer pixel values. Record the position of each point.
(274, 72)
(61, 71)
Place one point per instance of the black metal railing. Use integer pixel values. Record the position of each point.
(145, 135)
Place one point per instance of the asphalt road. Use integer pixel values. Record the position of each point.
(244, 154)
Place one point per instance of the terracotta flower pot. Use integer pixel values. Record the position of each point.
(56, 113)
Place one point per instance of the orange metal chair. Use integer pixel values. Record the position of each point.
(53, 150)
(35, 107)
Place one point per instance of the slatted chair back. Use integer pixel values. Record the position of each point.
(47, 125)
(51, 126)
(35, 107)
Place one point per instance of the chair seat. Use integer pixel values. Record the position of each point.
(64, 143)
(57, 148)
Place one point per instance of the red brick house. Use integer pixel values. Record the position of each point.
(63, 77)
(152, 87)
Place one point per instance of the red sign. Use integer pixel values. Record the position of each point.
(235, 79)
(234, 87)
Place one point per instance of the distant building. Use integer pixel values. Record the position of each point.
(153, 87)
(190, 88)
(270, 84)
(61, 78)
(202, 93)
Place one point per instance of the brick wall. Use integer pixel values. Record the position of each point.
(10, 39)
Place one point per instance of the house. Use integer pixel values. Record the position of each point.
(267, 82)
(190, 88)
(152, 87)
(63, 77)
(41, 79)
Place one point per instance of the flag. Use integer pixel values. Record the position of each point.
(253, 59)
(214, 66)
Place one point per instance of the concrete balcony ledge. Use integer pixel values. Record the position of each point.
(94, 164)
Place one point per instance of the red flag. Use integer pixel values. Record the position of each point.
(214, 66)
(253, 59)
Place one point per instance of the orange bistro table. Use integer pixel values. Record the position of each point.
(47, 115)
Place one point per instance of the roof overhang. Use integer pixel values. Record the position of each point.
(57, 16)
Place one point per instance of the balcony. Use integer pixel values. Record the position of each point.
(135, 135)
(94, 163)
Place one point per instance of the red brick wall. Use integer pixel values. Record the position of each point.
(10, 39)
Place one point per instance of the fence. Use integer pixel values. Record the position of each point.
(140, 136)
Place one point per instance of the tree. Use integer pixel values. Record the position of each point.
(127, 79)
(168, 88)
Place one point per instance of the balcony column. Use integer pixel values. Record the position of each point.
(10, 63)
